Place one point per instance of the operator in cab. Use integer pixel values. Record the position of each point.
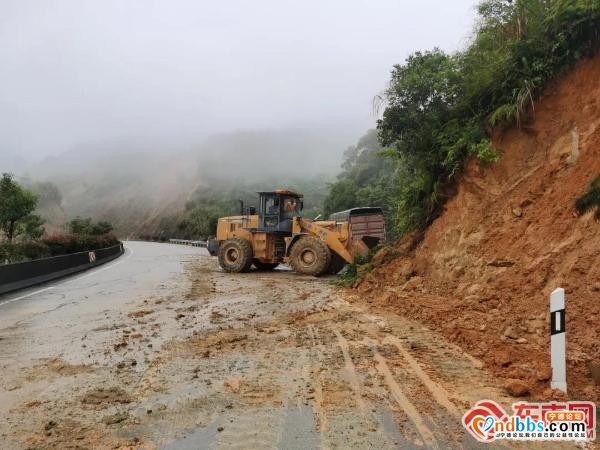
(291, 206)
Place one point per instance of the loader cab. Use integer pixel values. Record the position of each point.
(277, 210)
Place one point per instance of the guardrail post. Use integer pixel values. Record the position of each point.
(558, 332)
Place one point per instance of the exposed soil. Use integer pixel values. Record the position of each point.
(484, 270)
(258, 360)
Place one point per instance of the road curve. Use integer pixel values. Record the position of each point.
(54, 315)
(46, 327)
(65, 305)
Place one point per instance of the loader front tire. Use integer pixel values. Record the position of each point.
(235, 255)
(310, 256)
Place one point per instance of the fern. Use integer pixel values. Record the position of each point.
(590, 200)
(506, 114)
(484, 152)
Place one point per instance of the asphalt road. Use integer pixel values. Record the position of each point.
(51, 316)
(143, 266)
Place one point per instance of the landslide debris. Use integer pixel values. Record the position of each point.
(484, 270)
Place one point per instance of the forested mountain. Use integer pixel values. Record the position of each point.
(151, 191)
(441, 109)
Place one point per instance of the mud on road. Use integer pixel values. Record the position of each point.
(257, 360)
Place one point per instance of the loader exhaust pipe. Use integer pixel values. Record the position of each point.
(241, 207)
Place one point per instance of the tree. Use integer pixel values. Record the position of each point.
(85, 227)
(16, 207)
(368, 178)
(102, 227)
(32, 227)
(80, 226)
(440, 109)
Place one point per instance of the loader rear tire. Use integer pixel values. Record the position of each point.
(263, 265)
(310, 256)
(235, 255)
(336, 265)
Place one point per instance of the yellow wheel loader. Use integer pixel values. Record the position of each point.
(277, 233)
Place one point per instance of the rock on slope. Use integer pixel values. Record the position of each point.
(484, 270)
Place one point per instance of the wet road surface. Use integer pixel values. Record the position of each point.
(52, 317)
(161, 349)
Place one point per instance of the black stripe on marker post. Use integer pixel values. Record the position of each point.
(557, 322)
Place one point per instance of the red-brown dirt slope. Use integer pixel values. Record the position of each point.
(483, 273)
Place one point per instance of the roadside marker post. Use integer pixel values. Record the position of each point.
(558, 332)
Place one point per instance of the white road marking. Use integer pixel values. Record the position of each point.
(25, 296)
(31, 294)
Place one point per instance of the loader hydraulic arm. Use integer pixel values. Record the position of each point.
(331, 238)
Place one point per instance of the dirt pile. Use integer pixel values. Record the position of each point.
(484, 270)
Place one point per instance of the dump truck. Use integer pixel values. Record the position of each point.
(277, 233)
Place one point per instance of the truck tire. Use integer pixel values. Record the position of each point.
(235, 255)
(337, 263)
(310, 256)
(264, 265)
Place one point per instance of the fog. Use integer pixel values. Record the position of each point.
(132, 110)
(167, 74)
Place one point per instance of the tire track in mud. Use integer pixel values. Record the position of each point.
(351, 370)
(403, 401)
(346, 417)
(455, 375)
(317, 378)
(409, 371)
(391, 387)
(437, 391)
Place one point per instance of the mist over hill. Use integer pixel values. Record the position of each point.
(281, 153)
(135, 186)
(133, 119)
(12, 162)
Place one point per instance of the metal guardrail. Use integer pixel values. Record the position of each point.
(188, 242)
(29, 273)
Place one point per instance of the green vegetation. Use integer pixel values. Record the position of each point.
(53, 245)
(63, 244)
(22, 235)
(354, 272)
(47, 193)
(440, 108)
(16, 211)
(85, 227)
(367, 179)
(591, 199)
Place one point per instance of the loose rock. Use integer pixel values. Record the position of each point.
(544, 374)
(516, 388)
(511, 333)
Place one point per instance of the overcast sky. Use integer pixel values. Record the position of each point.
(74, 72)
